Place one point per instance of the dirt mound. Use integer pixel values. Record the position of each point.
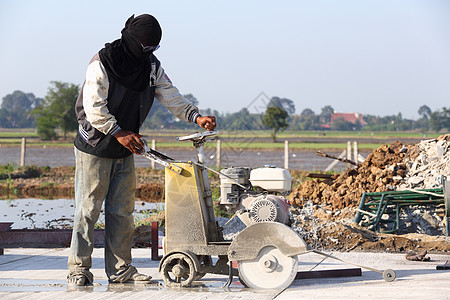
(150, 192)
(393, 167)
(45, 190)
(383, 169)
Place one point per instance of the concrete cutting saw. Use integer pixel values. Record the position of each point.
(265, 252)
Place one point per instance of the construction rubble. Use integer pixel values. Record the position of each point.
(323, 210)
(428, 167)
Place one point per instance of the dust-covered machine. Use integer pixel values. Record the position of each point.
(256, 195)
(265, 252)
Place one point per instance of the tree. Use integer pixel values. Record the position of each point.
(307, 120)
(307, 112)
(284, 103)
(16, 110)
(4, 118)
(325, 115)
(276, 119)
(424, 111)
(435, 121)
(45, 123)
(310, 122)
(445, 118)
(242, 120)
(341, 124)
(57, 110)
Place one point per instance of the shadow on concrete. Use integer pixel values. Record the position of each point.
(366, 276)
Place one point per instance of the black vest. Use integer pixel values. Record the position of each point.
(130, 108)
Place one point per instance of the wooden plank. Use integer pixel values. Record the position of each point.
(5, 226)
(445, 266)
(319, 175)
(352, 272)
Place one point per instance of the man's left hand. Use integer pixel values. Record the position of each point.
(208, 122)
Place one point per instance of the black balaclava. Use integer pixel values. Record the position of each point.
(124, 58)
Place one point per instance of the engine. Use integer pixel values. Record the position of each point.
(256, 195)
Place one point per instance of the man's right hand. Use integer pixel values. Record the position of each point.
(131, 141)
(208, 122)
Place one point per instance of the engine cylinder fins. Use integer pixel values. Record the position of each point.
(230, 179)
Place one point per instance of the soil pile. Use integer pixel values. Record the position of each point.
(394, 167)
(383, 170)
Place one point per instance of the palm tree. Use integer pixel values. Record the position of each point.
(424, 111)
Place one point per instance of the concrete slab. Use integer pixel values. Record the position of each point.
(40, 274)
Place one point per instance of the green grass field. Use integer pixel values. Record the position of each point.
(334, 134)
(241, 139)
(240, 145)
(11, 134)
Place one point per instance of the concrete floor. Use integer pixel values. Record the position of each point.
(40, 274)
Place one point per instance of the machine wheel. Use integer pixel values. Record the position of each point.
(205, 260)
(389, 275)
(178, 270)
(270, 270)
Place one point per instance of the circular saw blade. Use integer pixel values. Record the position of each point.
(270, 270)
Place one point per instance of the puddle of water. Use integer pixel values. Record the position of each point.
(298, 159)
(28, 285)
(58, 213)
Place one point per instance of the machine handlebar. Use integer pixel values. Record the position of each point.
(198, 136)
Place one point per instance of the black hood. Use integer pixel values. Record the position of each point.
(124, 58)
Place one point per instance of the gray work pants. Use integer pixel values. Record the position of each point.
(99, 179)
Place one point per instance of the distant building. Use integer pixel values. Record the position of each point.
(349, 117)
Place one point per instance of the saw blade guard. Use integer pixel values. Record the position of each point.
(249, 242)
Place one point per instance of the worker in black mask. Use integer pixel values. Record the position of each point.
(122, 81)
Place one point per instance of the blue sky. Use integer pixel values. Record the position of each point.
(376, 57)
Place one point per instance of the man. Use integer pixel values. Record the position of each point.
(121, 82)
